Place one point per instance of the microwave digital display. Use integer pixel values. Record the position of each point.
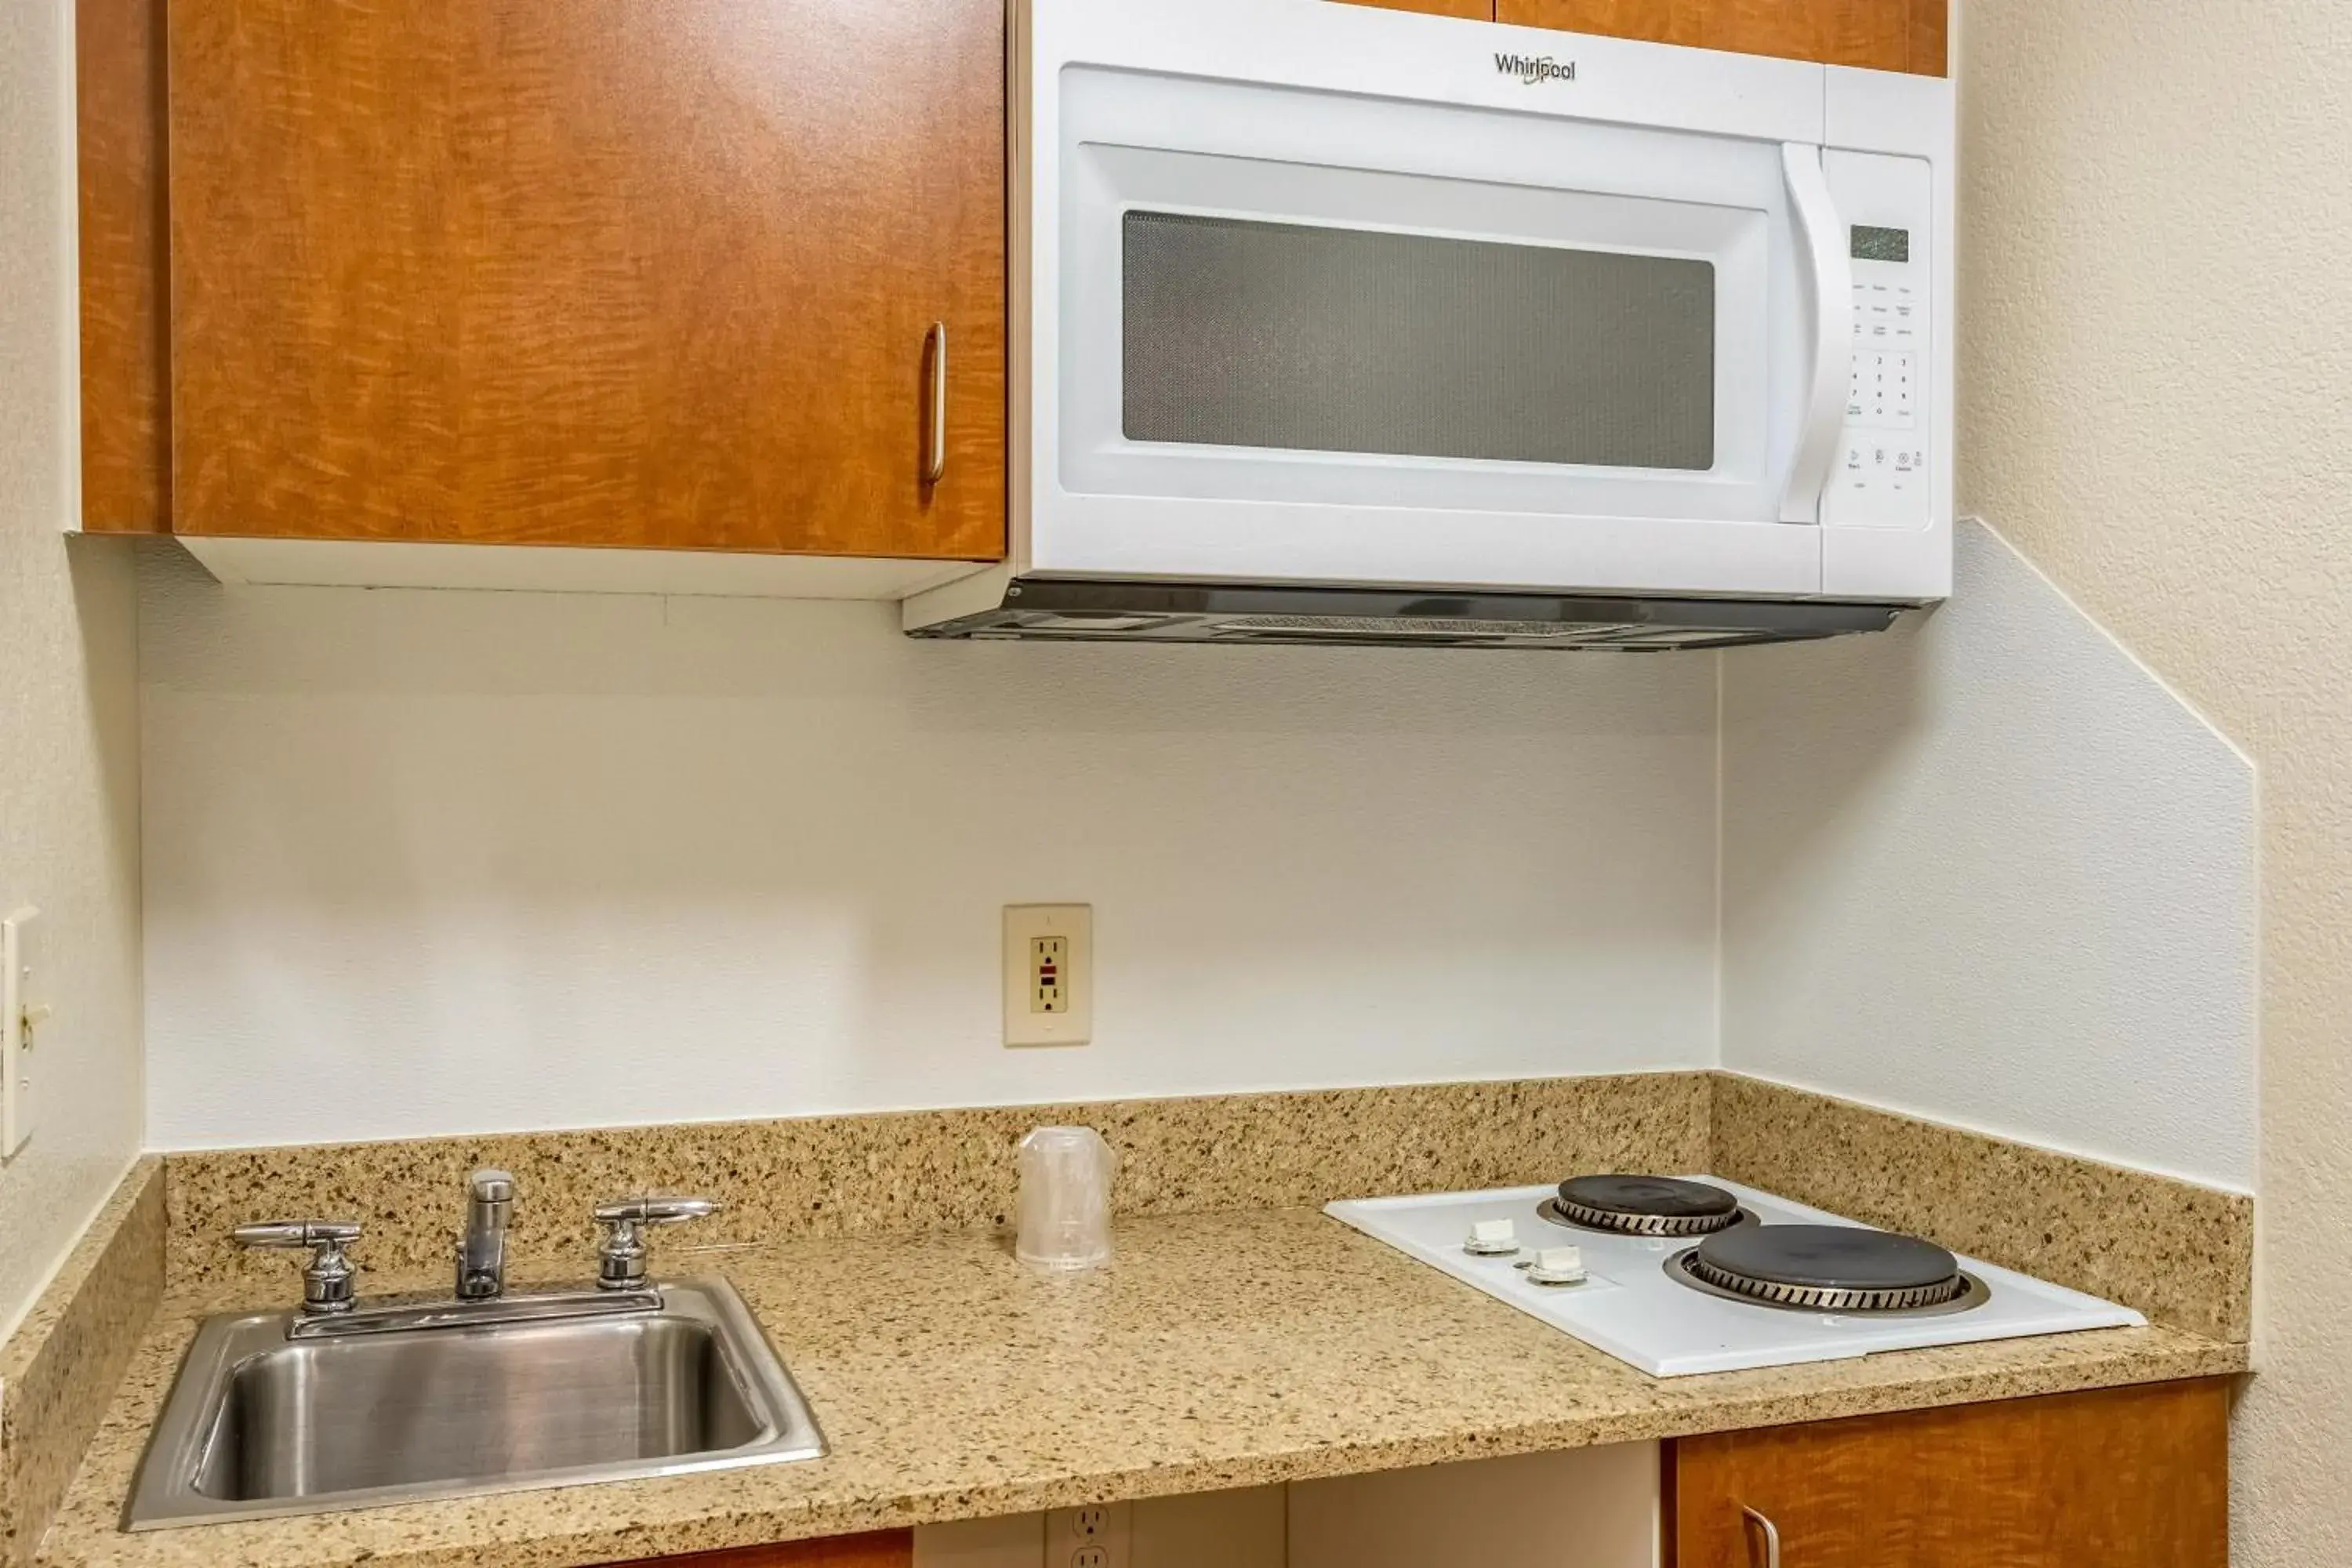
(1881, 244)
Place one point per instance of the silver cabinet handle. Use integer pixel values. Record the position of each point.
(935, 424)
(1771, 1537)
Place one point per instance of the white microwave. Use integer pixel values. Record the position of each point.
(1335, 323)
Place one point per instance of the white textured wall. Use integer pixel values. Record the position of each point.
(69, 725)
(2157, 215)
(429, 862)
(1989, 870)
(2155, 410)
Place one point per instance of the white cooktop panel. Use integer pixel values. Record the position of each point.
(1631, 1308)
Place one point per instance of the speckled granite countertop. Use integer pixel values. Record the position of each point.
(1218, 1351)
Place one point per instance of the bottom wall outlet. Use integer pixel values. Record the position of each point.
(1100, 1535)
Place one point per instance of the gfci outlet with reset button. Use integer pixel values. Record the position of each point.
(1048, 974)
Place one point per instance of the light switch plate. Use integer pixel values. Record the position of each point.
(17, 1096)
(1061, 1012)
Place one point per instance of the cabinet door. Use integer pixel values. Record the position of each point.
(2134, 1477)
(1885, 34)
(126, 438)
(1477, 10)
(597, 272)
(883, 1549)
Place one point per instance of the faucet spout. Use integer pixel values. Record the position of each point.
(482, 1256)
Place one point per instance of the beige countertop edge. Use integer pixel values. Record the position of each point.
(1219, 1350)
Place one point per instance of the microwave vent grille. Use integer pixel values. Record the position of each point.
(1239, 615)
(1421, 626)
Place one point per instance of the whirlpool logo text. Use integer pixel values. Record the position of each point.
(1532, 69)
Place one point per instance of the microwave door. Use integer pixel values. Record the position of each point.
(1306, 335)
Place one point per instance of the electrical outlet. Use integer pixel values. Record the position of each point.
(1049, 969)
(1100, 1535)
(1048, 974)
(20, 1016)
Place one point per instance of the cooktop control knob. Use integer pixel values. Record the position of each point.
(1557, 1265)
(1491, 1239)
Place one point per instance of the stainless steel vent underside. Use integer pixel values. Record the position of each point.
(1108, 610)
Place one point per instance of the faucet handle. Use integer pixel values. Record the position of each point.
(621, 1256)
(328, 1278)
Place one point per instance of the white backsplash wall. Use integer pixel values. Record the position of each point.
(1989, 871)
(423, 863)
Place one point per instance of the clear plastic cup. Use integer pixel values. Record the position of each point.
(1063, 1215)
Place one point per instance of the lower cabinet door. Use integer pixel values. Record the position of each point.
(883, 1549)
(2128, 1477)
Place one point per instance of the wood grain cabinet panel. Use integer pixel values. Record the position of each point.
(1885, 34)
(883, 1549)
(606, 272)
(126, 432)
(1476, 10)
(2132, 1477)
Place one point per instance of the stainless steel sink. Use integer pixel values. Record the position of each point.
(276, 1413)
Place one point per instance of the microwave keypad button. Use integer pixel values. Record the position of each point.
(1881, 392)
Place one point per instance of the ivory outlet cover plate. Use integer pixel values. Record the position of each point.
(1101, 1535)
(17, 1099)
(1062, 1013)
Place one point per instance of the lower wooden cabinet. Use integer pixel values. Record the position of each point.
(2122, 1477)
(882, 1549)
(2127, 1478)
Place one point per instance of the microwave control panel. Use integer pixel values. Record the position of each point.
(1882, 472)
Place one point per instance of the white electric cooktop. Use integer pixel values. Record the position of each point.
(1638, 1302)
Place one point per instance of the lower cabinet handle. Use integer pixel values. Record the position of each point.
(1771, 1538)
(935, 423)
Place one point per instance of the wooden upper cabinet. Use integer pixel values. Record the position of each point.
(598, 272)
(1884, 34)
(1476, 10)
(126, 433)
(2131, 1477)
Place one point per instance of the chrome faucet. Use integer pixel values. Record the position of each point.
(329, 1306)
(482, 1254)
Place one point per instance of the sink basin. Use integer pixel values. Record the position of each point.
(274, 1415)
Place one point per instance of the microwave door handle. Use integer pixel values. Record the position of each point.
(1823, 257)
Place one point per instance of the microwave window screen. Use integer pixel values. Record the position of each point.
(1242, 334)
